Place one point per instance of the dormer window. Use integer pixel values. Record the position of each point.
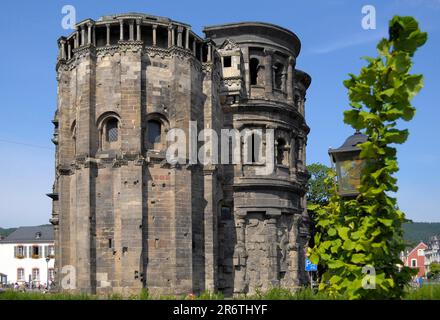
(38, 235)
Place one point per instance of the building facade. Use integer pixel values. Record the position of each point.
(126, 218)
(432, 253)
(416, 259)
(23, 256)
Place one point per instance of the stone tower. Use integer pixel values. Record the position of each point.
(126, 218)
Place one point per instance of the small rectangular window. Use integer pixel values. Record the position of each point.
(227, 61)
(20, 274)
(414, 263)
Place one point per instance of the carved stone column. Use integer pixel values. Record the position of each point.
(290, 79)
(187, 38)
(240, 257)
(62, 49)
(272, 252)
(170, 36)
(138, 29)
(69, 50)
(121, 30)
(131, 30)
(268, 68)
(154, 35)
(294, 246)
(89, 33)
(179, 36)
(107, 25)
(209, 57)
(83, 35)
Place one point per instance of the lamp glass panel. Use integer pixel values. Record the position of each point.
(349, 177)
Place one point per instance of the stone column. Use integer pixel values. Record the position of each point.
(209, 58)
(69, 50)
(89, 33)
(294, 246)
(62, 49)
(170, 36)
(292, 157)
(131, 30)
(173, 36)
(75, 40)
(121, 30)
(290, 79)
(94, 36)
(187, 38)
(269, 71)
(154, 35)
(239, 259)
(201, 52)
(272, 252)
(179, 36)
(194, 47)
(138, 29)
(83, 35)
(210, 229)
(107, 25)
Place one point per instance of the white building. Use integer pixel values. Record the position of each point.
(432, 254)
(27, 255)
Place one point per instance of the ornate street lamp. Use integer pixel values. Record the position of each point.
(348, 164)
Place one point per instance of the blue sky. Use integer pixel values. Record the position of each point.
(332, 43)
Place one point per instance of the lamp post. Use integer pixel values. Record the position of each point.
(47, 263)
(348, 164)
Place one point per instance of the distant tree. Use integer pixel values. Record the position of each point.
(318, 192)
(434, 271)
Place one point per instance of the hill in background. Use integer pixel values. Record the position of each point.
(6, 232)
(414, 232)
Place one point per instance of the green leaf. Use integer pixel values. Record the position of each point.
(396, 136)
(358, 258)
(343, 233)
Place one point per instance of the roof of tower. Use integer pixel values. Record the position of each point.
(260, 32)
(135, 15)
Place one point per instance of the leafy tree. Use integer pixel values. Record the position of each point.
(318, 192)
(434, 271)
(367, 230)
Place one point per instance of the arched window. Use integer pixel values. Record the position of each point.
(154, 135)
(112, 133)
(109, 132)
(254, 64)
(281, 147)
(278, 76)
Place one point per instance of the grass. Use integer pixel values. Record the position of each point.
(428, 292)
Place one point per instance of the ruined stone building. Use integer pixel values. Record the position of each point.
(125, 218)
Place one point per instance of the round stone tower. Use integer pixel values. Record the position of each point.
(125, 217)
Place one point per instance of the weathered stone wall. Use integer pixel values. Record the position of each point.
(124, 217)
